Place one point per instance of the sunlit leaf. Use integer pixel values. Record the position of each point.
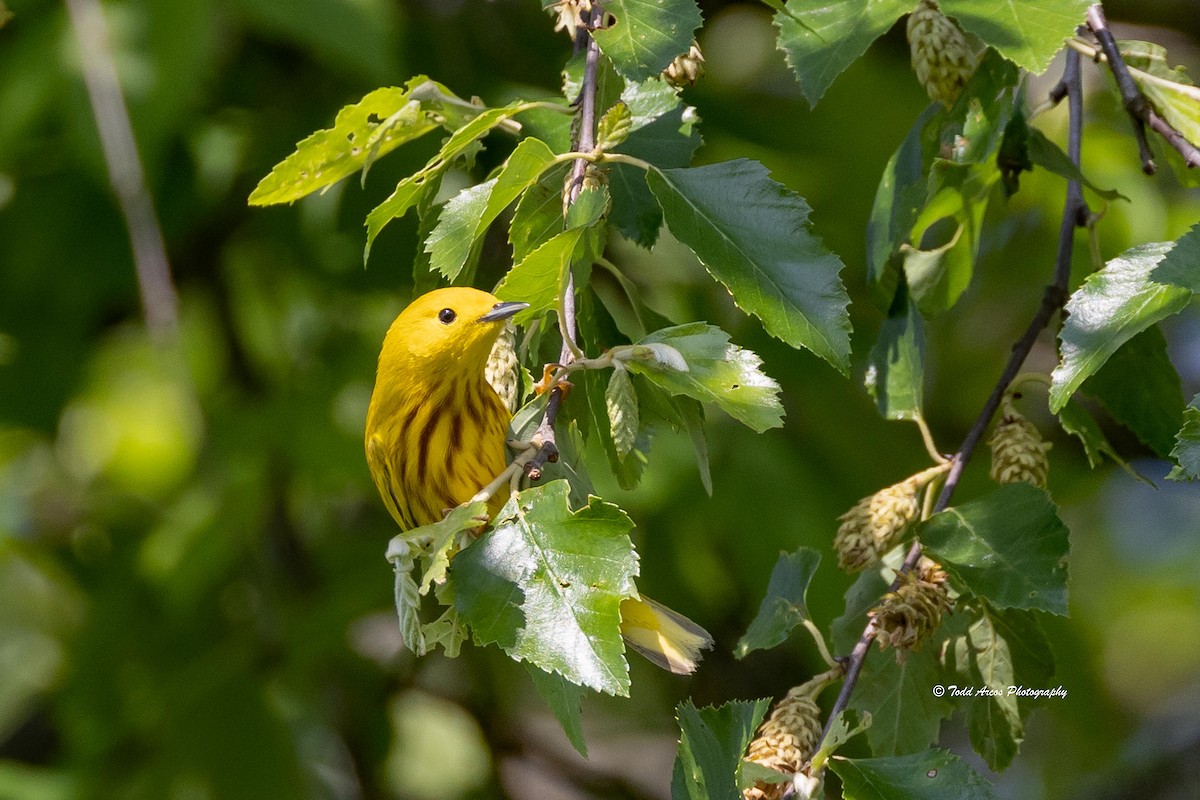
(1187, 445)
(467, 216)
(753, 235)
(540, 277)
(1117, 303)
(1008, 546)
(380, 122)
(717, 372)
(1026, 32)
(547, 582)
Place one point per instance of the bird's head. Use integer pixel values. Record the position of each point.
(455, 326)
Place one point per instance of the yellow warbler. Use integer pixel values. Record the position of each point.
(436, 433)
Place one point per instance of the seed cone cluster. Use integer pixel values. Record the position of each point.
(942, 57)
(687, 68)
(908, 615)
(502, 370)
(786, 739)
(877, 523)
(1018, 452)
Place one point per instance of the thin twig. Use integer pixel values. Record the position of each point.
(586, 143)
(159, 301)
(1135, 102)
(1074, 215)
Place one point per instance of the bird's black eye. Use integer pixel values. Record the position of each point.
(447, 315)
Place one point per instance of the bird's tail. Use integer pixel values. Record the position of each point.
(666, 637)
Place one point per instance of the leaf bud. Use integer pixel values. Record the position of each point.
(622, 405)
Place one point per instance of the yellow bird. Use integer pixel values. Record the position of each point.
(436, 435)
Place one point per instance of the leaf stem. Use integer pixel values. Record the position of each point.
(1075, 214)
(823, 648)
(622, 158)
(927, 438)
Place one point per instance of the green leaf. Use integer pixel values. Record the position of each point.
(668, 141)
(993, 717)
(846, 725)
(410, 190)
(540, 277)
(896, 372)
(467, 216)
(379, 123)
(753, 235)
(716, 372)
(621, 402)
(1182, 266)
(906, 715)
(784, 607)
(546, 585)
(821, 39)
(614, 127)
(930, 775)
(1076, 421)
(1117, 303)
(563, 698)
(1026, 32)
(861, 597)
(647, 34)
(1141, 389)
(539, 214)
(711, 745)
(898, 200)
(1050, 156)
(1009, 547)
(1187, 445)
(589, 207)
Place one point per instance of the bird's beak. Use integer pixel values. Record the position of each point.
(502, 311)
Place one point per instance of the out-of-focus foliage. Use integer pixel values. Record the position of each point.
(194, 601)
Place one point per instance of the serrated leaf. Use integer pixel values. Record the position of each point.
(846, 725)
(649, 100)
(1008, 546)
(588, 208)
(379, 123)
(467, 215)
(1050, 156)
(668, 141)
(540, 277)
(443, 538)
(784, 606)
(408, 600)
(1182, 266)
(1026, 32)
(821, 39)
(1186, 452)
(711, 744)
(895, 376)
(547, 582)
(753, 235)
(539, 214)
(614, 127)
(1140, 388)
(647, 34)
(930, 775)
(1076, 421)
(718, 372)
(563, 698)
(1117, 303)
(906, 716)
(410, 190)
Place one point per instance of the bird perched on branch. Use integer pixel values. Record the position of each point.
(436, 435)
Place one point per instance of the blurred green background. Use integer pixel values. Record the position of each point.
(194, 602)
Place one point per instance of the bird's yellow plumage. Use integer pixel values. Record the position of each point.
(436, 433)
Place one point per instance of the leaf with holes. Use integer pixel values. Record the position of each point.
(647, 35)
